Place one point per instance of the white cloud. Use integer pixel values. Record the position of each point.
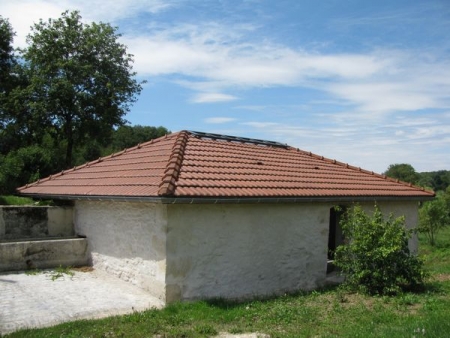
(255, 108)
(255, 124)
(212, 97)
(384, 97)
(205, 51)
(207, 57)
(211, 57)
(219, 120)
(24, 13)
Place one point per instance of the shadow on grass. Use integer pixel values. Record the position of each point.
(435, 287)
(224, 303)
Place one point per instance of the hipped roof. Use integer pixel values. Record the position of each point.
(193, 166)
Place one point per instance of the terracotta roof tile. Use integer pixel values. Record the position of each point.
(192, 164)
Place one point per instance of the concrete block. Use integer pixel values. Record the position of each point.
(60, 221)
(23, 255)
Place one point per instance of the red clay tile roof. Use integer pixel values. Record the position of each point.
(192, 164)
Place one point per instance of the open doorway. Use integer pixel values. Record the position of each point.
(335, 236)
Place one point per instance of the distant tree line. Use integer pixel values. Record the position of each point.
(433, 215)
(63, 98)
(434, 180)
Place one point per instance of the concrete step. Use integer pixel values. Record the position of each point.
(45, 253)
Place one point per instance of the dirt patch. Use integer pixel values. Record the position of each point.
(442, 277)
(83, 269)
(243, 335)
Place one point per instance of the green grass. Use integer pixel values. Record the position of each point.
(326, 313)
(437, 258)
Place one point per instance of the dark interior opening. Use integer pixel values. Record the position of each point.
(335, 237)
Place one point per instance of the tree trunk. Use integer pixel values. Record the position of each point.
(69, 148)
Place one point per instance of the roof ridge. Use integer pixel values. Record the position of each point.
(172, 171)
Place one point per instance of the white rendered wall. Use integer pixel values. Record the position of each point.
(127, 240)
(239, 251)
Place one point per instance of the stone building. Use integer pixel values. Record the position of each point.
(194, 215)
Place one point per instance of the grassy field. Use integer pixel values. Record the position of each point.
(325, 313)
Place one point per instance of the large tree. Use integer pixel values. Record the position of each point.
(81, 80)
(7, 83)
(7, 59)
(403, 172)
(13, 121)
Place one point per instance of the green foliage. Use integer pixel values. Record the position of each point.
(129, 136)
(28, 164)
(11, 106)
(64, 103)
(24, 165)
(60, 271)
(54, 274)
(375, 258)
(434, 216)
(15, 200)
(33, 272)
(80, 82)
(7, 57)
(437, 257)
(437, 180)
(403, 172)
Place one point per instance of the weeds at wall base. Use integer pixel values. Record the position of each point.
(54, 274)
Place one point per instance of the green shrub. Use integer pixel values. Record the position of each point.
(375, 258)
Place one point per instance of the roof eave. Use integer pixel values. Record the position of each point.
(228, 200)
(299, 199)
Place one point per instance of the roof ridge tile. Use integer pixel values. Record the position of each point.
(172, 171)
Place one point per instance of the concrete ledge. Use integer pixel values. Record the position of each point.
(21, 222)
(41, 254)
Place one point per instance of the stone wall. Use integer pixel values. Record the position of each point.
(39, 237)
(127, 240)
(35, 222)
(23, 255)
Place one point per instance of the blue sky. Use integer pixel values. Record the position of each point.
(363, 82)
